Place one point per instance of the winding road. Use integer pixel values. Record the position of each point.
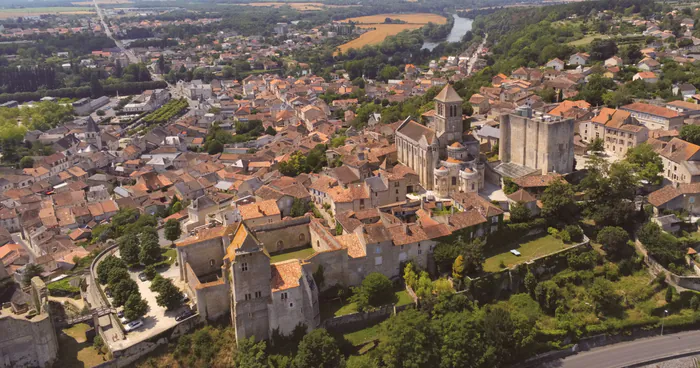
(634, 353)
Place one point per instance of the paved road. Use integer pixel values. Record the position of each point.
(475, 57)
(129, 54)
(633, 352)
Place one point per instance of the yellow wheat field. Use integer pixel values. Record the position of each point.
(382, 31)
(90, 3)
(377, 35)
(416, 18)
(297, 6)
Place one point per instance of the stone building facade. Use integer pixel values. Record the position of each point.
(28, 341)
(539, 142)
(444, 157)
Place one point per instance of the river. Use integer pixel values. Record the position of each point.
(460, 27)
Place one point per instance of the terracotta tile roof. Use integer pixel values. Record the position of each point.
(678, 150)
(651, 109)
(208, 234)
(611, 117)
(259, 209)
(646, 75)
(415, 131)
(462, 220)
(285, 275)
(669, 192)
(685, 105)
(568, 105)
(353, 245)
(534, 181)
(323, 184)
(521, 195)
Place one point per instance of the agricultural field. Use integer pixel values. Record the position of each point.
(23, 12)
(376, 36)
(416, 18)
(296, 6)
(102, 2)
(381, 30)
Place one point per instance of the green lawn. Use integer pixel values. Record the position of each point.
(75, 351)
(588, 39)
(298, 254)
(170, 256)
(529, 250)
(403, 298)
(363, 336)
(335, 308)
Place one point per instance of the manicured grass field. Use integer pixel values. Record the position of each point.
(529, 250)
(299, 254)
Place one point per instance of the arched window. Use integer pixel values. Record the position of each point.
(211, 263)
(301, 237)
(280, 244)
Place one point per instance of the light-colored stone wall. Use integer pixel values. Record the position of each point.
(250, 274)
(536, 143)
(200, 256)
(213, 300)
(284, 235)
(27, 343)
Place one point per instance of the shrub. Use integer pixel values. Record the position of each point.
(575, 232)
(150, 272)
(374, 291)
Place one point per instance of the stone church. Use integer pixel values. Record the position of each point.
(445, 157)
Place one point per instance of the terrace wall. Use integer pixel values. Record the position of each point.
(499, 284)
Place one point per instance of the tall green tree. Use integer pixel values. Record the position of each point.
(318, 349)
(251, 354)
(150, 251)
(410, 341)
(135, 307)
(169, 296)
(129, 248)
(647, 162)
(172, 230)
(690, 133)
(558, 201)
(30, 271)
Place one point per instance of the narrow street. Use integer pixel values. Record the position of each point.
(475, 57)
(17, 238)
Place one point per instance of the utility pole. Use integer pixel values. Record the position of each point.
(663, 319)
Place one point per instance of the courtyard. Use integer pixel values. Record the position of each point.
(501, 256)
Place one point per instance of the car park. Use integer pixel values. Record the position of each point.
(133, 325)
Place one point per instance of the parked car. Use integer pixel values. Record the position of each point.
(143, 277)
(120, 314)
(133, 325)
(184, 315)
(123, 319)
(185, 298)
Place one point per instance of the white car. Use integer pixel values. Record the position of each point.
(133, 325)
